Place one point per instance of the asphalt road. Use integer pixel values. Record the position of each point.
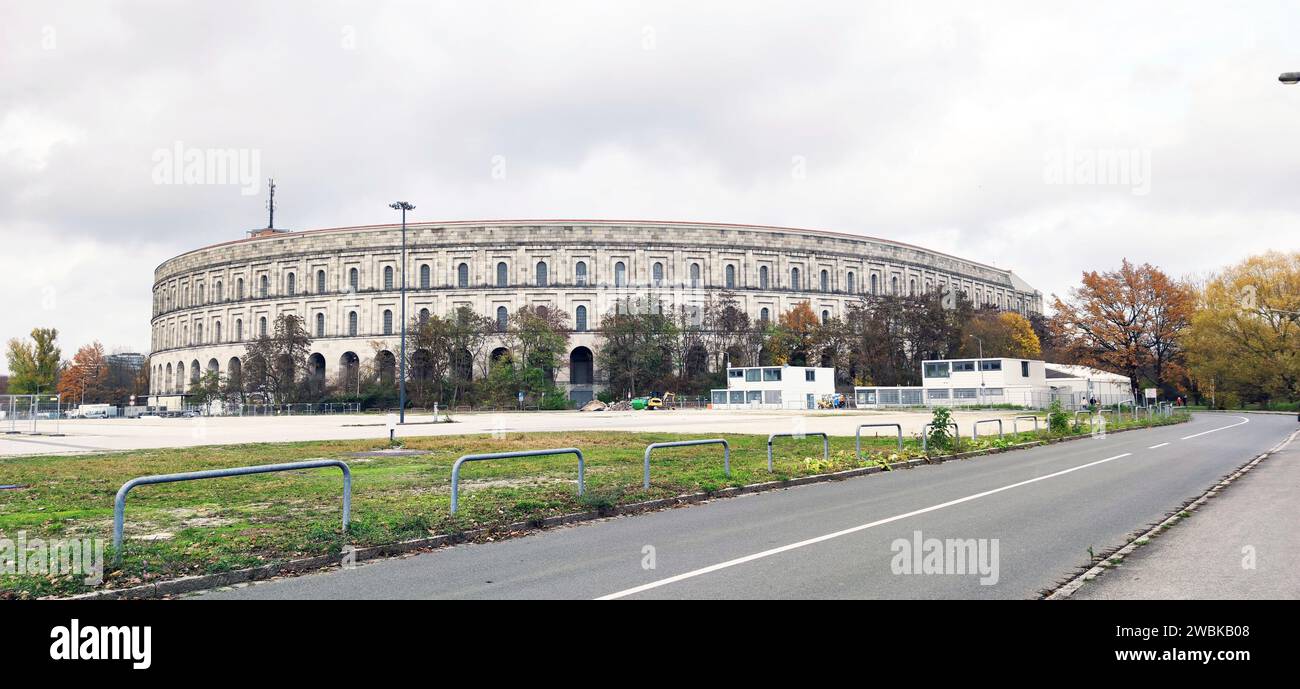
(1242, 544)
(1042, 507)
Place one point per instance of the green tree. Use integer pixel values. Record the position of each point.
(34, 366)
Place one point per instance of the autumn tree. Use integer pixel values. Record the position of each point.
(791, 341)
(34, 366)
(1001, 334)
(1243, 342)
(85, 378)
(1128, 320)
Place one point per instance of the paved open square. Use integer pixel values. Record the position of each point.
(107, 435)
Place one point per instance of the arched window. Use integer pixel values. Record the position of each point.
(265, 288)
(291, 283)
(216, 332)
(849, 283)
(764, 315)
(388, 322)
(320, 282)
(580, 273)
(731, 276)
(424, 315)
(580, 319)
(620, 274)
(826, 316)
(354, 279)
(874, 287)
(203, 294)
(261, 327)
(503, 319)
(198, 333)
(462, 275)
(239, 330)
(503, 274)
(239, 288)
(217, 293)
(826, 281)
(794, 278)
(695, 275)
(352, 323)
(388, 277)
(320, 325)
(911, 288)
(541, 273)
(425, 276)
(762, 277)
(893, 285)
(657, 274)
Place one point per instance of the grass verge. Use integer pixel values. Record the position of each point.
(219, 525)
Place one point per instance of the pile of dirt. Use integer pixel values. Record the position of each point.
(621, 405)
(594, 405)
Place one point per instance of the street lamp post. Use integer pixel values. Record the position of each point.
(401, 397)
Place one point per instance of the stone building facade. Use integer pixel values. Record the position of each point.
(344, 282)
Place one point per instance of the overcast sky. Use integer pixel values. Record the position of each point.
(965, 127)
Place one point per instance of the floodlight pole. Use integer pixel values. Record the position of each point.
(401, 397)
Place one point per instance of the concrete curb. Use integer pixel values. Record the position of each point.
(1073, 585)
(203, 582)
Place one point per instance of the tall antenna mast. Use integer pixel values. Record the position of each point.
(270, 204)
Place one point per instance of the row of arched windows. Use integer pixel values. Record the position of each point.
(541, 278)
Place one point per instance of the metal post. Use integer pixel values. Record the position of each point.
(455, 468)
(401, 396)
(119, 502)
(826, 445)
(925, 442)
(975, 427)
(857, 444)
(726, 455)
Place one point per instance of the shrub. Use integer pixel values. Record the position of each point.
(1058, 420)
(939, 438)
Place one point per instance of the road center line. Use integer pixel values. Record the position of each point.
(861, 527)
(1157, 446)
(1216, 430)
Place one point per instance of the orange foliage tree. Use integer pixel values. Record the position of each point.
(1130, 320)
(85, 378)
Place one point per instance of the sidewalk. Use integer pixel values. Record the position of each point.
(1207, 554)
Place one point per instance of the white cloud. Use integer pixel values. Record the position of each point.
(925, 122)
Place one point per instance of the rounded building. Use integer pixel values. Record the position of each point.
(344, 283)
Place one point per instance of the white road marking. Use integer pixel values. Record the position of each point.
(861, 527)
(1157, 446)
(1216, 430)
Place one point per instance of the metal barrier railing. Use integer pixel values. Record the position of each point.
(857, 442)
(925, 435)
(826, 444)
(726, 455)
(975, 427)
(1015, 427)
(119, 503)
(455, 468)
